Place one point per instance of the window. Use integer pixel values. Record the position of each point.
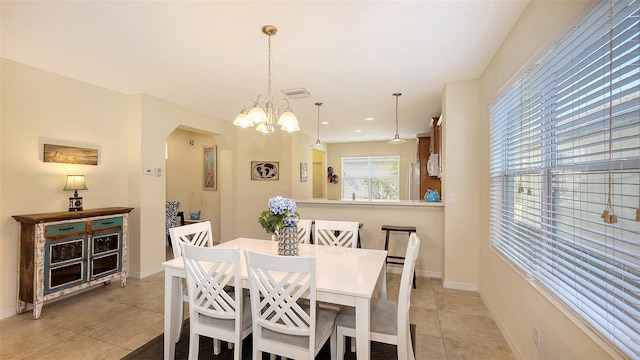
(371, 178)
(565, 147)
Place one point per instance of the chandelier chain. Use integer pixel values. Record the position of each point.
(269, 72)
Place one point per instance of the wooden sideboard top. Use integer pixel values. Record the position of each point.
(70, 215)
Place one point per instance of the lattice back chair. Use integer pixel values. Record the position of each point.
(217, 307)
(389, 319)
(170, 214)
(336, 233)
(281, 324)
(197, 234)
(304, 231)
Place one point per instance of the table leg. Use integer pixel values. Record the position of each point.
(171, 298)
(363, 328)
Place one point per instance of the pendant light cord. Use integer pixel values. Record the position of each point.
(396, 95)
(609, 204)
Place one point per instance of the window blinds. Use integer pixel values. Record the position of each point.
(564, 144)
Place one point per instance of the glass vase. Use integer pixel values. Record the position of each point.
(288, 241)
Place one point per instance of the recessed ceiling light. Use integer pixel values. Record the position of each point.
(325, 123)
(369, 119)
(358, 131)
(349, 139)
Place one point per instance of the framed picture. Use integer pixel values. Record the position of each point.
(265, 170)
(70, 155)
(210, 168)
(303, 172)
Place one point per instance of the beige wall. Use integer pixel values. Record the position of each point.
(40, 107)
(461, 170)
(407, 151)
(289, 149)
(130, 132)
(184, 177)
(516, 301)
(303, 154)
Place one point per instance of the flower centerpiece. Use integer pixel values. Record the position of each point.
(281, 219)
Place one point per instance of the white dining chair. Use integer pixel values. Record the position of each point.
(336, 233)
(217, 308)
(281, 324)
(389, 319)
(197, 234)
(304, 231)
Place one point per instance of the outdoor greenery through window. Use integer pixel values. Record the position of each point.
(565, 172)
(371, 178)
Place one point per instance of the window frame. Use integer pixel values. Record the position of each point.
(370, 177)
(548, 126)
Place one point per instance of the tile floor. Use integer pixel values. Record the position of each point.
(110, 321)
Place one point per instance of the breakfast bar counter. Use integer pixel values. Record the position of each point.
(427, 217)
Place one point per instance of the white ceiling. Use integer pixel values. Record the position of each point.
(211, 56)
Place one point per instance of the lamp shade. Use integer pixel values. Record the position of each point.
(243, 120)
(257, 115)
(75, 182)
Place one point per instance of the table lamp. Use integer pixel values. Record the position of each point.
(75, 183)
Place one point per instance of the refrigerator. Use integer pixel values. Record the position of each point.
(413, 182)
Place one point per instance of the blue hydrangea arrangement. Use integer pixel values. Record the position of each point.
(281, 213)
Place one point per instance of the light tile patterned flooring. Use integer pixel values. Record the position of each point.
(110, 321)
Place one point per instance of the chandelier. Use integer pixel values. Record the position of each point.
(263, 113)
(396, 139)
(318, 145)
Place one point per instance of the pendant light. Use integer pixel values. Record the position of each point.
(318, 145)
(263, 113)
(396, 140)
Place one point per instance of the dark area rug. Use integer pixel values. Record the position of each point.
(153, 350)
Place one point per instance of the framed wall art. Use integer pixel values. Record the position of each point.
(303, 172)
(265, 170)
(70, 155)
(210, 168)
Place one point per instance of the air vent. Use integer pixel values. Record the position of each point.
(297, 93)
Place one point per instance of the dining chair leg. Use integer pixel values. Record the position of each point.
(216, 347)
(333, 346)
(340, 343)
(409, 344)
(194, 346)
(179, 317)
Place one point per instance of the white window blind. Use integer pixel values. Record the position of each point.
(565, 146)
(371, 177)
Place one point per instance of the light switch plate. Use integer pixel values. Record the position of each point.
(147, 171)
(158, 171)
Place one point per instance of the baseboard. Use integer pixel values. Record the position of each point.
(459, 286)
(7, 313)
(510, 342)
(397, 269)
(144, 274)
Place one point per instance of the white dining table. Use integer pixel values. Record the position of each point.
(344, 276)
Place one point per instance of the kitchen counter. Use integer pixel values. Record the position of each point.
(398, 203)
(427, 217)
